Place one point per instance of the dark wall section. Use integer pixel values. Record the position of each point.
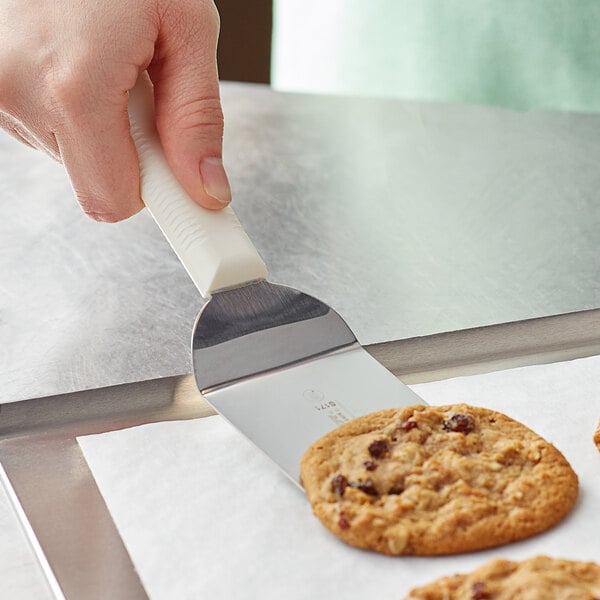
(244, 52)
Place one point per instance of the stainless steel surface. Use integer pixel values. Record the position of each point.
(285, 369)
(21, 573)
(57, 491)
(284, 411)
(51, 585)
(409, 219)
(492, 348)
(91, 566)
(261, 327)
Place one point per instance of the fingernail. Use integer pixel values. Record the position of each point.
(215, 181)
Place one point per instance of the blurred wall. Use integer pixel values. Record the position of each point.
(244, 52)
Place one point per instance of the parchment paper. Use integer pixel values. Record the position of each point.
(206, 515)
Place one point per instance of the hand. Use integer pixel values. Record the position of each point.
(65, 70)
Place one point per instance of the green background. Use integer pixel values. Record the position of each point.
(520, 54)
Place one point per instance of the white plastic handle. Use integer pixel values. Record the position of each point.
(212, 245)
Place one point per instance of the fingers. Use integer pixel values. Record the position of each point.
(99, 155)
(64, 78)
(189, 117)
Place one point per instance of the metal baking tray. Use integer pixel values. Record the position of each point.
(62, 509)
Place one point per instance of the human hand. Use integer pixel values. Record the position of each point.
(65, 70)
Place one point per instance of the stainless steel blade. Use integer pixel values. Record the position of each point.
(284, 411)
(285, 369)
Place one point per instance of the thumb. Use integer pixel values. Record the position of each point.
(189, 117)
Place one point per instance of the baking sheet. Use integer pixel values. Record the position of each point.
(20, 573)
(205, 514)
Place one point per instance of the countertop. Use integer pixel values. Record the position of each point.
(413, 220)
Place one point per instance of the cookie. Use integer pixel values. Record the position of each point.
(428, 480)
(597, 436)
(539, 578)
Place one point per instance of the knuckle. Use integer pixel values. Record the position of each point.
(65, 87)
(68, 87)
(190, 18)
(200, 113)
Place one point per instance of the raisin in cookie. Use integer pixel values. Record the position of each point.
(431, 480)
(539, 578)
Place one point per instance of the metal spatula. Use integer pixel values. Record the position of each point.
(280, 365)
